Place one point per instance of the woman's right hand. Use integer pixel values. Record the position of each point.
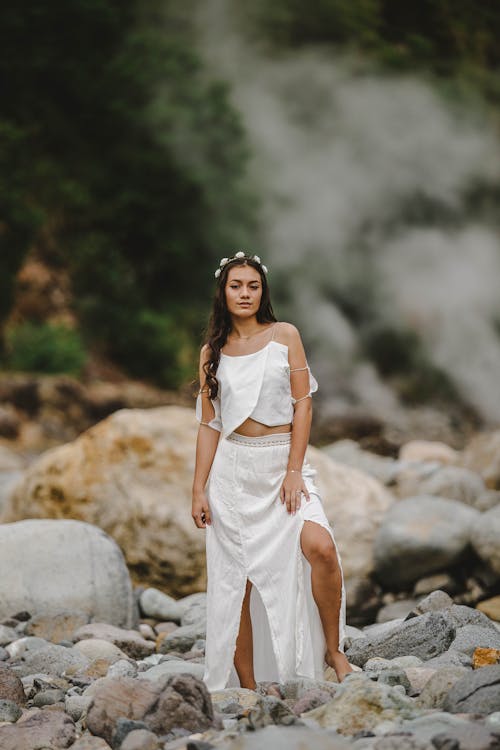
(200, 509)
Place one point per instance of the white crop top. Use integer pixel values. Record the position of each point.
(254, 385)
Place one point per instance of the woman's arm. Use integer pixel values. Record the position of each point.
(300, 388)
(206, 446)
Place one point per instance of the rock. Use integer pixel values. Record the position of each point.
(171, 667)
(99, 648)
(470, 637)
(462, 615)
(349, 452)
(476, 692)
(424, 636)
(42, 729)
(128, 641)
(140, 739)
(485, 535)
(66, 565)
(428, 584)
(482, 657)
(360, 705)
(56, 627)
(89, 742)
(437, 687)
(482, 455)
(271, 710)
(311, 699)
(77, 706)
(9, 711)
(445, 731)
(487, 500)
(419, 535)
(182, 639)
(161, 606)
(418, 677)
(48, 697)
(242, 697)
(449, 659)
(434, 602)
(181, 701)
(52, 660)
(454, 483)
(11, 687)
(288, 738)
(7, 635)
(397, 609)
(428, 450)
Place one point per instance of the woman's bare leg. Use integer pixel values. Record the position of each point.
(243, 657)
(326, 580)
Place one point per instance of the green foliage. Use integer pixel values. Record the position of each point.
(44, 348)
(122, 161)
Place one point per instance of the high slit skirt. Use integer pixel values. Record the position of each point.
(253, 537)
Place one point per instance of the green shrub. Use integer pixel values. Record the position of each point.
(44, 348)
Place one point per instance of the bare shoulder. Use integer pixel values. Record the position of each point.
(288, 332)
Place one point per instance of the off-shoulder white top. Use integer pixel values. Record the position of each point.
(254, 385)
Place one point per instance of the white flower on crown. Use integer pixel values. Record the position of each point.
(256, 257)
(223, 262)
(217, 273)
(240, 254)
(264, 268)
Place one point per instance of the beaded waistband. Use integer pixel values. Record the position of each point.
(273, 438)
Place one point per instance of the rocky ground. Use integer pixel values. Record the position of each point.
(429, 680)
(94, 653)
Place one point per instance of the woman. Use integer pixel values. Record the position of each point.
(275, 598)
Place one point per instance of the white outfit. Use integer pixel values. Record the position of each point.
(252, 536)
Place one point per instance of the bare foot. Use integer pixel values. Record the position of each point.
(338, 661)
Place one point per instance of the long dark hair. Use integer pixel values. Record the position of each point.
(219, 323)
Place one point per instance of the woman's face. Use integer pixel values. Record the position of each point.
(243, 291)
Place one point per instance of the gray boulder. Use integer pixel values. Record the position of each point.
(470, 637)
(438, 686)
(477, 692)
(419, 535)
(424, 636)
(50, 565)
(454, 483)
(445, 731)
(52, 660)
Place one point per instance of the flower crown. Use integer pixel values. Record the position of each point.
(239, 254)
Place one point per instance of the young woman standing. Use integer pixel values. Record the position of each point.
(275, 597)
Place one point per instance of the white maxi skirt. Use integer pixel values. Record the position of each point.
(252, 536)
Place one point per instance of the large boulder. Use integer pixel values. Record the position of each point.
(420, 535)
(477, 692)
(132, 475)
(51, 565)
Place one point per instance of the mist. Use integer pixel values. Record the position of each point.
(365, 182)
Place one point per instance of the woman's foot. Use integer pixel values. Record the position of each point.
(338, 661)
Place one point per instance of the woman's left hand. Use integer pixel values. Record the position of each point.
(291, 491)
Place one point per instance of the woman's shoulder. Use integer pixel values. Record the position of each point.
(287, 332)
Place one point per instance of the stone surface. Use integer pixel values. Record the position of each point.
(470, 637)
(400, 608)
(428, 450)
(128, 641)
(424, 636)
(482, 657)
(9, 711)
(360, 705)
(171, 667)
(52, 660)
(99, 648)
(287, 738)
(482, 455)
(42, 729)
(485, 535)
(180, 701)
(161, 606)
(140, 739)
(419, 535)
(454, 483)
(490, 607)
(435, 601)
(56, 627)
(476, 692)
(182, 639)
(428, 584)
(89, 742)
(66, 565)
(442, 731)
(11, 687)
(438, 686)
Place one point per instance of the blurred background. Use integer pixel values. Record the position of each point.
(354, 145)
